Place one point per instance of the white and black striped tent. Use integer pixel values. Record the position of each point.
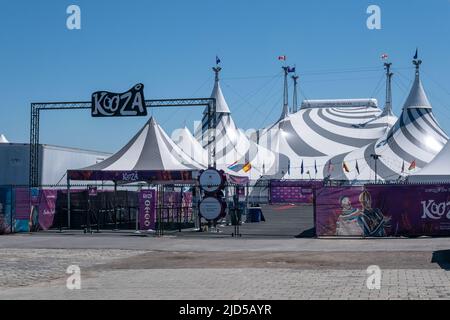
(311, 136)
(150, 149)
(232, 146)
(409, 145)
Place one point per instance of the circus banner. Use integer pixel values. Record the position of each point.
(47, 206)
(147, 209)
(383, 211)
(282, 191)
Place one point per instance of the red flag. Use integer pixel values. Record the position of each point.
(282, 58)
(384, 56)
(412, 165)
(345, 167)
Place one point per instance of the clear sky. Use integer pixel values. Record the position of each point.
(170, 46)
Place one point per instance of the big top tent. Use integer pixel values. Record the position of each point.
(408, 146)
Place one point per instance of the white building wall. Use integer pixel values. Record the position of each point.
(53, 161)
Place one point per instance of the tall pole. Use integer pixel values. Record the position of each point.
(294, 102)
(212, 119)
(285, 94)
(389, 74)
(376, 157)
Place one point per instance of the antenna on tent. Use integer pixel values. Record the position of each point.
(285, 112)
(217, 70)
(417, 62)
(389, 75)
(294, 100)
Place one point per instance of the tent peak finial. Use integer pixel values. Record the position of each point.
(217, 70)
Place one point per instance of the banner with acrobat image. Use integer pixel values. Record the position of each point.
(383, 211)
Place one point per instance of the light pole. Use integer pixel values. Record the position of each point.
(376, 157)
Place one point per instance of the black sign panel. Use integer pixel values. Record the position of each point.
(127, 104)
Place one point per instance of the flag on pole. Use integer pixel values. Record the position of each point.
(384, 56)
(291, 70)
(235, 166)
(412, 166)
(417, 54)
(218, 60)
(302, 168)
(247, 167)
(282, 58)
(345, 167)
(357, 167)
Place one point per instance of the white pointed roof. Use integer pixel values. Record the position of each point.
(417, 97)
(221, 104)
(437, 170)
(150, 149)
(3, 139)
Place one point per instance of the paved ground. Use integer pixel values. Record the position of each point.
(275, 265)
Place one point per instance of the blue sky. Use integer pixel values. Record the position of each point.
(171, 45)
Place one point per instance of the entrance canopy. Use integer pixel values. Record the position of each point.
(149, 156)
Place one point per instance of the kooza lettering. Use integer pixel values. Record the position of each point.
(130, 103)
(435, 211)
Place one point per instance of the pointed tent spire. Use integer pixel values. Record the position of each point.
(417, 98)
(150, 149)
(3, 139)
(221, 104)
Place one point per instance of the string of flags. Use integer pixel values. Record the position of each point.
(247, 166)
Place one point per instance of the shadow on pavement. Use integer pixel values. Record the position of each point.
(442, 258)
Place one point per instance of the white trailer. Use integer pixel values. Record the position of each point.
(54, 161)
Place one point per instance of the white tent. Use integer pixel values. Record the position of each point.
(187, 142)
(416, 138)
(3, 139)
(312, 136)
(150, 149)
(437, 170)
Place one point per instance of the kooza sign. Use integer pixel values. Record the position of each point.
(127, 104)
(436, 211)
(147, 209)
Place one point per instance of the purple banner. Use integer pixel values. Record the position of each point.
(293, 191)
(147, 209)
(47, 207)
(383, 210)
(131, 176)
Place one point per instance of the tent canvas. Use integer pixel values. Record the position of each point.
(149, 156)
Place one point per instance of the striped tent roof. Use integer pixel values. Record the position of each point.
(416, 138)
(232, 146)
(313, 135)
(150, 149)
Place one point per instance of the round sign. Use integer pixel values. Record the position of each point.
(211, 208)
(210, 180)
